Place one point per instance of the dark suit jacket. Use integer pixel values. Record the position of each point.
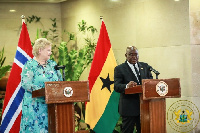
(129, 104)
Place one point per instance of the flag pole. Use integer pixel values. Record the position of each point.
(23, 19)
(101, 18)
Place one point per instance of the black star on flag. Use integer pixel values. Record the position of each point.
(106, 82)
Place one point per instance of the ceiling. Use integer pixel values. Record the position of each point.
(42, 1)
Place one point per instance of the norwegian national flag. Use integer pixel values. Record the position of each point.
(12, 107)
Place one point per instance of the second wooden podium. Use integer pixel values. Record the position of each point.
(152, 102)
(60, 97)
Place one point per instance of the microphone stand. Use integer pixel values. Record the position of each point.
(63, 70)
(156, 72)
(63, 73)
(157, 75)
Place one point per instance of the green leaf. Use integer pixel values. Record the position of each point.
(3, 70)
(2, 58)
(54, 25)
(92, 29)
(71, 36)
(54, 20)
(63, 58)
(82, 26)
(37, 19)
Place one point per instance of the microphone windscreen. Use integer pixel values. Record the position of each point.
(56, 67)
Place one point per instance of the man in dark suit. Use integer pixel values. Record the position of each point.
(127, 75)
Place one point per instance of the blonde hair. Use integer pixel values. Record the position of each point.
(40, 43)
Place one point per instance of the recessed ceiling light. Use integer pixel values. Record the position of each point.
(176, 0)
(12, 10)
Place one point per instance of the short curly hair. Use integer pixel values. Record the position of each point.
(131, 48)
(40, 43)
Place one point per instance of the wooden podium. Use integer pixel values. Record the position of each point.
(152, 103)
(61, 104)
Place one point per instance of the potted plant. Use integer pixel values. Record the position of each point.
(3, 71)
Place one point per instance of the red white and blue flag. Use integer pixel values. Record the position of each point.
(14, 92)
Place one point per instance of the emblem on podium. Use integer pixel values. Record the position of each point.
(68, 92)
(162, 88)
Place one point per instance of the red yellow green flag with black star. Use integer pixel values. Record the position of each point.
(102, 110)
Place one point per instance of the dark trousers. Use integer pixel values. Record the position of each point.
(128, 123)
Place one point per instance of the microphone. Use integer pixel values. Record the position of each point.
(151, 69)
(56, 67)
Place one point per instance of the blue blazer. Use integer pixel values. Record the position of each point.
(129, 104)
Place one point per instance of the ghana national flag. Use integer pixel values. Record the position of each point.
(102, 110)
